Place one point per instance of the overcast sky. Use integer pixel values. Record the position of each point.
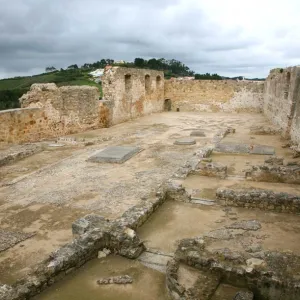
(232, 37)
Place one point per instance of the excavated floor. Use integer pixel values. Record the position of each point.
(147, 283)
(45, 197)
(44, 193)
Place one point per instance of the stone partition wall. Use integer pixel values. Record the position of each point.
(132, 92)
(215, 95)
(281, 101)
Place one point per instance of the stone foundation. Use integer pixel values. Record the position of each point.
(275, 173)
(256, 198)
(268, 277)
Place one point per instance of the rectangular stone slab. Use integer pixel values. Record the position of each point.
(115, 154)
(244, 148)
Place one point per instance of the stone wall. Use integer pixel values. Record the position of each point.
(22, 125)
(258, 198)
(281, 101)
(133, 92)
(68, 109)
(215, 95)
(48, 111)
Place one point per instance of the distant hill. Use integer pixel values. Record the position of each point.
(13, 88)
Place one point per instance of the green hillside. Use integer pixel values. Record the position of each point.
(13, 88)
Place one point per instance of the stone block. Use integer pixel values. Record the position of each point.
(115, 154)
(185, 141)
(244, 148)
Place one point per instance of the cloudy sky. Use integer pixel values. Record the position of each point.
(231, 37)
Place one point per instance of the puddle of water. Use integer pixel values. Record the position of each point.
(208, 186)
(175, 221)
(225, 292)
(147, 284)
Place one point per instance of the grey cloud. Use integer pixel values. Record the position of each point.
(38, 33)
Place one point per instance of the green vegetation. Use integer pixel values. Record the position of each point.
(208, 76)
(13, 88)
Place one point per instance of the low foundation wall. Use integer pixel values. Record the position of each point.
(215, 95)
(263, 199)
(275, 173)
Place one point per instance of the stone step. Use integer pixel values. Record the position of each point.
(202, 201)
(155, 260)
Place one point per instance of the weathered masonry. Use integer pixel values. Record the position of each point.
(180, 205)
(215, 95)
(132, 93)
(282, 101)
(48, 111)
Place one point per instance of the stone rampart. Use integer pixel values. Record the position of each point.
(215, 95)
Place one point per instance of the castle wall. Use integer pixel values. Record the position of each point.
(215, 95)
(133, 92)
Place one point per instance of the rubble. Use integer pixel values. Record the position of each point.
(123, 279)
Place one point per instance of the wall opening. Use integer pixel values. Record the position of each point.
(147, 84)
(158, 82)
(128, 83)
(287, 85)
(167, 105)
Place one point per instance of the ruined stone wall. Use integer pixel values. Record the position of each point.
(281, 101)
(133, 92)
(22, 125)
(48, 111)
(68, 108)
(215, 95)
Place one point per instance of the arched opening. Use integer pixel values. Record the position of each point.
(147, 84)
(158, 82)
(128, 83)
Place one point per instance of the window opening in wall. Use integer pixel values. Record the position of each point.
(158, 82)
(147, 84)
(167, 105)
(287, 85)
(128, 83)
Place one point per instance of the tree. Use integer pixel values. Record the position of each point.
(208, 76)
(50, 69)
(72, 67)
(139, 62)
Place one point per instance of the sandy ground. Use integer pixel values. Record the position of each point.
(45, 193)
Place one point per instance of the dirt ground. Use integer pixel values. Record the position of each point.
(44, 193)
